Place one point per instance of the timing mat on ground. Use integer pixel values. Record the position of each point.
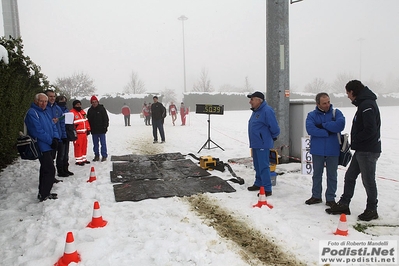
(161, 175)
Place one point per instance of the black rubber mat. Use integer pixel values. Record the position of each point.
(152, 189)
(161, 175)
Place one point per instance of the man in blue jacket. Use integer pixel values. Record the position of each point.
(40, 126)
(323, 125)
(366, 142)
(58, 118)
(263, 130)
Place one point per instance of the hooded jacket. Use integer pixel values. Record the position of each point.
(262, 127)
(366, 124)
(40, 126)
(98, 119)
(323, 130)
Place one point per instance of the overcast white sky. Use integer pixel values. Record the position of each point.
(109, 39)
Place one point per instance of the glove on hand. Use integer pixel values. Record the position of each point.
(274, 139)
(88, 132)
(319, 126)
(54, 144)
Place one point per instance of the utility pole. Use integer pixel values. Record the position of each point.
(183, 18)
(277, 65)
(10, 19)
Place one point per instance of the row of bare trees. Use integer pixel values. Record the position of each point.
(80, 85)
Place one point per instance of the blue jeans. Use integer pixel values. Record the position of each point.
(363, 163)
(262, 168)
(158, 125)
(96, 139)
(318, 168)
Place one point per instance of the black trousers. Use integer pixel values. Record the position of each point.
(46, 174)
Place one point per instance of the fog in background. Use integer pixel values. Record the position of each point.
(107, 40)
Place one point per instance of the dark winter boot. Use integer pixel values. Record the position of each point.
(67, 171)
(61, 172)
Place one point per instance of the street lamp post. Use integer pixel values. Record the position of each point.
(360, 40)
(183, 18)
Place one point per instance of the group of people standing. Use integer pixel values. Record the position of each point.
(324, 125)
(46, 122)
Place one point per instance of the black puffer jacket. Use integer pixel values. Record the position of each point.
(366, 124)
(98, 119)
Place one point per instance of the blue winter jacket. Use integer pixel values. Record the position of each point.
(262, 127)
(40, 126)
(56, 112)
(324, 140)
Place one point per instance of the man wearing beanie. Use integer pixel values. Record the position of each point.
(99, 122)
(82, 129)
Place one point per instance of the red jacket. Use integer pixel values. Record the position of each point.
(125, 110)
(80, 121)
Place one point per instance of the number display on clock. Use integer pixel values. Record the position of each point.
(209, 109)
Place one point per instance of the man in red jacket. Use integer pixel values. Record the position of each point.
(83, 130)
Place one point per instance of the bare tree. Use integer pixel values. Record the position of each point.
(168, 96)
(339, 83)
(227, 88)
(204, 83)
(135, 85)
(78, 85)
(316, 86)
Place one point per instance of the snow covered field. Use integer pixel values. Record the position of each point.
(166, 231)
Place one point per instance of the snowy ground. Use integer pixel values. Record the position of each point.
(166, 231)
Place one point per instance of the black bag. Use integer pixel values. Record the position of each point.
(345, 154)
(28, 147)
(71, 133)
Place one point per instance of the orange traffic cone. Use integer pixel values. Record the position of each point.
(97, 220)
(342, 229)
(70, 253)
(262, 199)
(92, 175)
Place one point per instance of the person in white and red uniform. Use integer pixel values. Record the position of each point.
(82, 127)
(173, 112)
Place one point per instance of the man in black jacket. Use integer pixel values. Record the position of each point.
(158, 112)
(366, 141)
(99, 122)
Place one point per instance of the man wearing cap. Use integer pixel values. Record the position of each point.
(82, 129)
(158, 112)
(263, 129)
(99, 122)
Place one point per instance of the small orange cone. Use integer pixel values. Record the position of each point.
(97, 220)
(70, 253)
(342, 229)
(262, 199)
(92, 175)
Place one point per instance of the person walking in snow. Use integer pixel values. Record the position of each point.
(158, 112)
(126, 114)
(366, 142)
(263, 129)
(322, 126)
(99, 122)
(40, 126)
(173, 112)
(184, 111)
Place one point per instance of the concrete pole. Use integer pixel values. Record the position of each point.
(10, 19)
(277, 65)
